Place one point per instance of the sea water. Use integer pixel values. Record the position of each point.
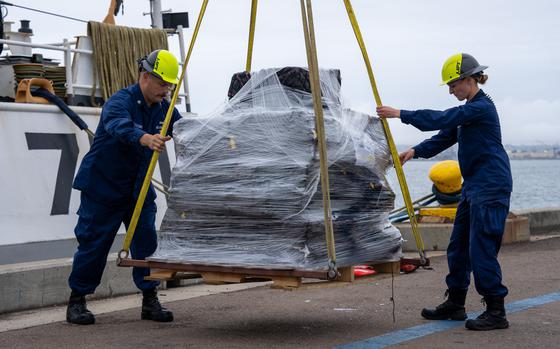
(536, 183)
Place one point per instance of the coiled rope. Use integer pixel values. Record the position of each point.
(116, 50)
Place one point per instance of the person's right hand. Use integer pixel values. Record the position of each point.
(155, 142)
(406, 155)
(388, 112)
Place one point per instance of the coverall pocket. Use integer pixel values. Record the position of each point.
(494, 215)
(95, 226)
(84, 229)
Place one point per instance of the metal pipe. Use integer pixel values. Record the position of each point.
(91, 87)
(62, 44)
(47, 47)
(413, 203)
(46, 108)
(185, 82)
(68, 69)
(157, 20)
(83, 86)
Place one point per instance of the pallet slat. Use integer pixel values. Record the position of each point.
(191, 267)
(218, 274)
(161, 274)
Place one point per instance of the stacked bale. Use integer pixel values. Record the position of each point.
(246, 187)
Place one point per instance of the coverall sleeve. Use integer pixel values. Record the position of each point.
(431, 120)
(118, 122)
(174, 117)
(435, 145)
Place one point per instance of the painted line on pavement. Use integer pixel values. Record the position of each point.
(419, 331)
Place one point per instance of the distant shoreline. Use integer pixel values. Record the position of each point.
(515, 158)
(510, 158)
(519, 152)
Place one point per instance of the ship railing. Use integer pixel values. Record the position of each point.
(66, 46)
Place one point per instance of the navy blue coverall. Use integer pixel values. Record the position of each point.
(482, 212)
(110, 178)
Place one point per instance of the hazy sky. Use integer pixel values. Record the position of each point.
(407, 42)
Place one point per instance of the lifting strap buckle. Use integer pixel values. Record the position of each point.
(332, 273)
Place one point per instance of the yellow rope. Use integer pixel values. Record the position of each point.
(116, 50)
(145, 185)
(393, 149)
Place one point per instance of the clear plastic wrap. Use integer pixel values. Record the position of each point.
(246, 190)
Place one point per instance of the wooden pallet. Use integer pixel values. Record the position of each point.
(220, 274)
(219, 278)
(171, 278)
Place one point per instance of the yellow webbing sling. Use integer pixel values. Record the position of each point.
(393, 149)
(146, 184)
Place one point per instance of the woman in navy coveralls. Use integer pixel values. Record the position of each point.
(484, 206)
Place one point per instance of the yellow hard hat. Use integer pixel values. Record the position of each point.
(162, 64)
(446, 176)
(459, 66)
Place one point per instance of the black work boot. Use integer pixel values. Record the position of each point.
(452, 309)
(152, 309)
(77, 311)
(493, 318)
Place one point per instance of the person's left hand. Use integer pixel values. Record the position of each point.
(154, 142)
(388, 112)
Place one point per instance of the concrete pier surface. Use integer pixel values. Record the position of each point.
(359, 315)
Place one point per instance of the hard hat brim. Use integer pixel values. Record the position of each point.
(146, 66)
(171, 81)
(468, 73)
(474, 71)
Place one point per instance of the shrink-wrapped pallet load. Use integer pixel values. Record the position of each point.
(245, 190)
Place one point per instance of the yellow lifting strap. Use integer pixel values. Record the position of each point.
(311, 48)
(145, 185)
(252, 25)
(393, 149)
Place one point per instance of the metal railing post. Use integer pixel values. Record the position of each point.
(68, 69)
(185, 81)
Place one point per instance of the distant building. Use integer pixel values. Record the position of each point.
(515, 152)
(529, 155)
